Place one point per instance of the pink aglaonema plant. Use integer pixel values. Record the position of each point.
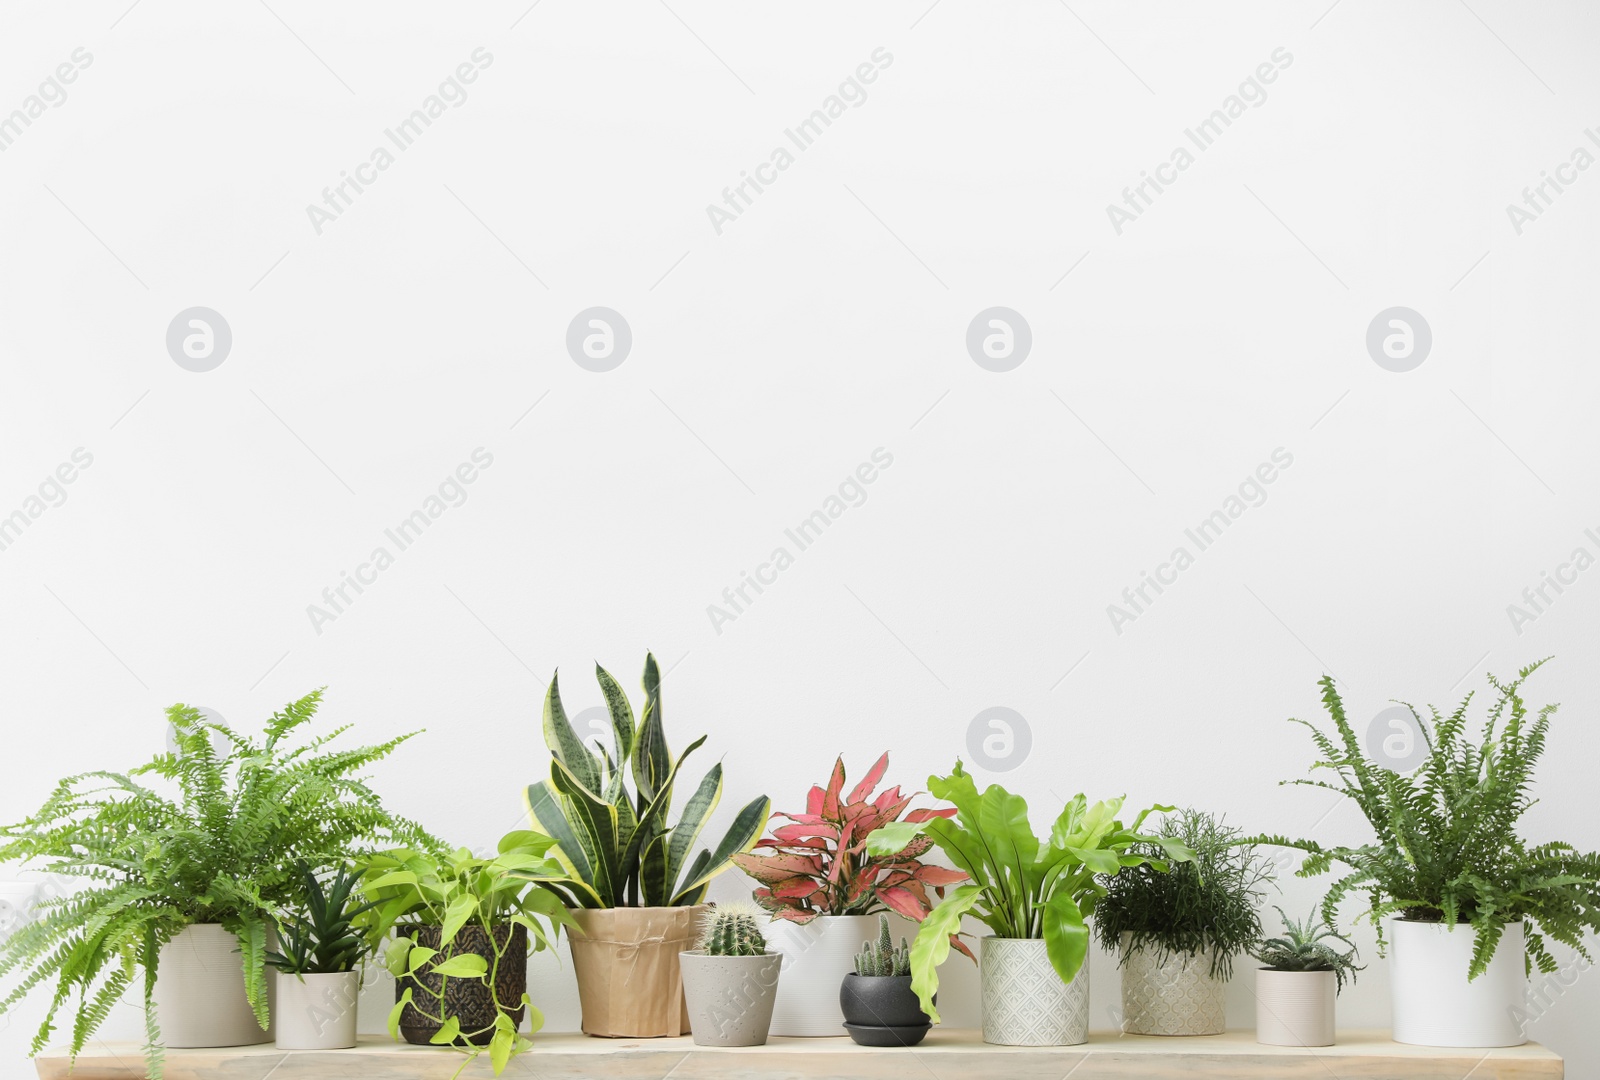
(818, 864)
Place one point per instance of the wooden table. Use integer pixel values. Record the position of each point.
(946, 1055)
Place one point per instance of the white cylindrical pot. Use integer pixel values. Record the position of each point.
(317, 1012)
(199, 994)
(1025, 1003)
(1295, 1008)
(816, 957)
(1433, 1003)
(1170, 993)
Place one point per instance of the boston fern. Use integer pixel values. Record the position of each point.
(1447, 846)
(221, 838)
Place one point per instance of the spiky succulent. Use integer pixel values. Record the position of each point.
(880, 957)
(1304, 946)
(732, 930)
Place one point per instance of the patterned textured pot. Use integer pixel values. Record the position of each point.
(1025, 1003)
(1170, 993)
(469, 1000)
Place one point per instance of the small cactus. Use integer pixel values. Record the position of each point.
(732, 930)
(880, 957)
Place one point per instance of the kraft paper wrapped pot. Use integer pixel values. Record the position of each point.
(630, 984)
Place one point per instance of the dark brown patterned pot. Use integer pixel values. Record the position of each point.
(469, 1000)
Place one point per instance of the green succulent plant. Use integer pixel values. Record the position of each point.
(319, 935)
(732, 930)
(880, 957)
(1303, 946)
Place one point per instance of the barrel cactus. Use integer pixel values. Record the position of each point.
(732, 930)
(880, 957)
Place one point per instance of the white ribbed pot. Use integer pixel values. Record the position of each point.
(317, 1012)
(1025, 1003)
(1432, 1002)
(199, 994)
(816, 957)
(1170, 993)
(1295, 1008)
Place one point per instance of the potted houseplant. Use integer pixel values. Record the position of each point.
(731, 979)
(635, 892)
(1035, 896)
(823, 888)
(1301, 976)
(181, 881)
(318, 982)
(463, 927)
(1468, 900)
(1178, 931)
(879, 1006)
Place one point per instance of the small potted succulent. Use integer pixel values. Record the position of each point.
(823, 887)
(318, 978)
(1177, 929)
(879, 1006)
(1302, 975)
(731, 979)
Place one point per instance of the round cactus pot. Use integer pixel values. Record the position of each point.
(882, 1010)
(730, 997)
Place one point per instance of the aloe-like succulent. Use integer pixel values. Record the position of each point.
(1303, 947)
(732, 930)
(880, 957)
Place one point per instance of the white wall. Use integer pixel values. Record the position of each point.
(771, 360)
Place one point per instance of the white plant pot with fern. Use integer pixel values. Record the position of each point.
(815, 957)
(316, 1011)
(1433, 1003)
(199, 994)
(1025, 1001)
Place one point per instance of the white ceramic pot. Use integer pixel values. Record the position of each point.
(199, 994)
(1170, 993)
(816, 957)
(317, 1012)
(1295, 1008)
(1433, 1003)
(730, 997)
(1025, 1003)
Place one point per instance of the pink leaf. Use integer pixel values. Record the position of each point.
(800, 918)
(957, 943)
(939, 876)
(870, 781)
(813, 804)
(795, 888)
(805, 830)
(830, 798)
(918, 816)
(903, 902)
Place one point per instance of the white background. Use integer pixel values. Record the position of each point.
(769, 361)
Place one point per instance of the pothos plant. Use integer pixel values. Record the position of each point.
(819, 863)
(1447, 844)
(408, 889)
(220, 836)
(1021, 886)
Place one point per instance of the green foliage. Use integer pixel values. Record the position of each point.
(617, 846)
(732, 930)
(318, 936)
(1304, 947)
(880, 957)
(1447, 845)
(220, 839)
(1209, 903)
(408, 888)
(1021, 886)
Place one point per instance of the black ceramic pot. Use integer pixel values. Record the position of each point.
(882, 1010)
(470, 1000)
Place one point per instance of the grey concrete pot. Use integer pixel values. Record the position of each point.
(730, 997)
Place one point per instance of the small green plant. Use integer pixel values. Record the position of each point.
(880, 957)
(319, 936)
(1447, 846)
(1207, 904)
(1304, 947)
(732, 930)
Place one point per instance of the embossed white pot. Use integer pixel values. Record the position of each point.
(199, 995)
(1170, 993)
(816, 957)
(317, 1012)
(1025, 1003)
(1432, 1002)
(1295, 1008)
